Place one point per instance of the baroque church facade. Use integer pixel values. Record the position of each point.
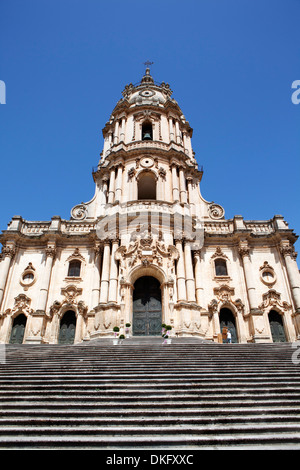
(148, 249)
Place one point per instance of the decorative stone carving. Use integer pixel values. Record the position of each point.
(219, 254)
(79, 212)
(267, 274)
(244, 249)
(131, 172)
(216, 211)
(22, 305)
(288, 250)
(273, 299)
(213, 307)
(224, 293)
(162, 173)
(50, 251)
(75, 255)
(146, 251)
(8, 251)
(70, 293)
(28, 277)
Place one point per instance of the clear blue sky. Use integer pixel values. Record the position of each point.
(229, 63)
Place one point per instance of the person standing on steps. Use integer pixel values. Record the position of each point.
(224, 334)
(228, 336)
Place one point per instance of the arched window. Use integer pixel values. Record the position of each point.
(221, 267)
(74, 268)
(147, 186)
(147, 131)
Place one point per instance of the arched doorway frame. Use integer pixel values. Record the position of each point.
(60, 320)
(152, 271)
(65, 308)
(234, 311)
(12, 318)
(276, 309)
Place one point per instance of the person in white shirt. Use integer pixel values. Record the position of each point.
(228, 336)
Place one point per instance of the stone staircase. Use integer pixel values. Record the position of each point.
(143, 394)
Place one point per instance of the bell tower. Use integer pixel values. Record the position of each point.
(147, 154)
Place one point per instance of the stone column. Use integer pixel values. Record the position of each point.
(182, 186)
(244, 251)
(185, 144)
(122, 134)
(105, 272)
(175, 183)
(118, 192)
(180, 273)
(289, 255)
(79, 326)
(190, 194)
(241, 326)
(116, 133)
(198, 278)
(44, 290)
(8, 252)
(189, 273)
(110, 139)
(113, 277)
(102, 198)
(104, 191)
(171, 129)
(111, 192)
(178, 138)
(96, 276)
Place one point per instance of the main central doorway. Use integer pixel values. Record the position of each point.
(147, 314)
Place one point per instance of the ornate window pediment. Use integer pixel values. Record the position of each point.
(273, 299)
(22, 305)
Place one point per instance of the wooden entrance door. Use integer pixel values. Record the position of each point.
(147, 314)
(67, 328)
(277, 329)
(18, 329)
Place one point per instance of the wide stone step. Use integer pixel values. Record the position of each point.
(94, 403)
(142, 421)
(150, 394)
(121, 429)
(143, 412)
(130, 388)
(150, 441)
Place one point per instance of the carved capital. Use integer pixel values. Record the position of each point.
(287, 249)
(8, 251)
(50, 251)
(244, 249)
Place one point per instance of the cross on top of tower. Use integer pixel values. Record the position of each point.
(148, 63)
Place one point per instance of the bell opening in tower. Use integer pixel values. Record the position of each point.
(147, 131)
